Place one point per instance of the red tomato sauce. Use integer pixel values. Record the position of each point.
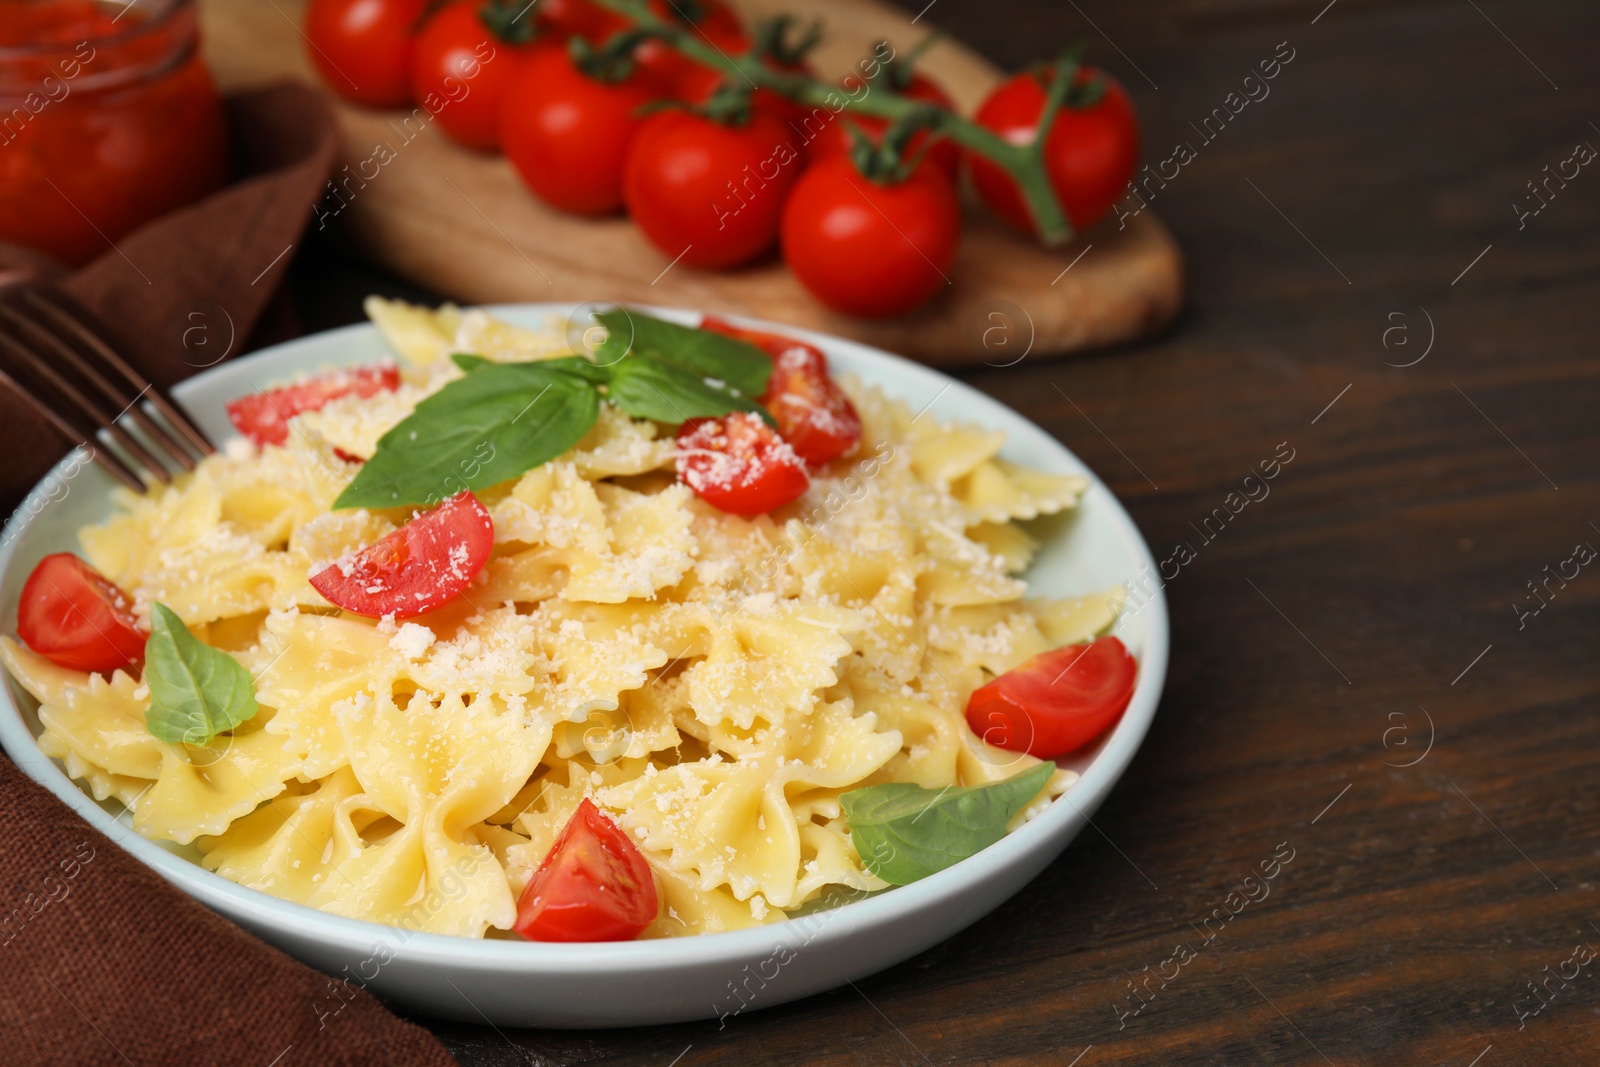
(107, 120)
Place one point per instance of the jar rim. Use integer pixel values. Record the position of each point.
(156, 17)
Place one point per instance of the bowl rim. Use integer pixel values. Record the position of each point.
(856, 917)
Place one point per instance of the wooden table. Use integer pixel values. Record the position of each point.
(1351, 679)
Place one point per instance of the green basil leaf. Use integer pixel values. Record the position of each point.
(904, 832)
(699, 353)
(196, 691)
(578, 365)
(647, 389)
(477, 431)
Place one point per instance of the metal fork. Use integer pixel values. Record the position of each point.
(55, 359)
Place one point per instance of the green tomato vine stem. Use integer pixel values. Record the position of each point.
(1024, 162)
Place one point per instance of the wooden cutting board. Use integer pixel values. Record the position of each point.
(462, 223)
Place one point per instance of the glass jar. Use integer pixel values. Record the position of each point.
(108, 118)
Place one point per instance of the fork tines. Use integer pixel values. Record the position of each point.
(52, 357)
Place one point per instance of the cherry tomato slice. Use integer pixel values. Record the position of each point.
(264, 417)
(813, 414)
(1056, 702)
(739, 464)
(362, 48)
(425, 563)
(76, 617)
(593, 886)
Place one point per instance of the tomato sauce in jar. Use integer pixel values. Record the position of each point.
(108, 118)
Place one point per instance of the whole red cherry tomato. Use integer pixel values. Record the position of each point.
(813, 414)
(264, 417)
(427, 562)
(739, 464)
(460, 70)
(871, 249)
(707, 192)
(835, 138)
(1090, 151)
(594, 885)
(568, 133)
(1056, 702)
(362, 48)
(76, 617)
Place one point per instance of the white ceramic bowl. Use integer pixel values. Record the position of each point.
(514, 983)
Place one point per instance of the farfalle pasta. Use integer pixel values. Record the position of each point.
(712, 683)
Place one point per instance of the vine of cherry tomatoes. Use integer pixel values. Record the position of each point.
(598, 115)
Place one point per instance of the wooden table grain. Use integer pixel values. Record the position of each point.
(1385, 670)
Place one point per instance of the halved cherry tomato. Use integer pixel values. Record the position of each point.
(593, 886)
(264, 417)
(835, 138)
(1056, 702)
(813, 414)
(707, 193)
(869, 248)
(464, 69)
(425, 563)
(76, 617)
(362, 48)
(1090, 152)
(568, 134)
(739, 464)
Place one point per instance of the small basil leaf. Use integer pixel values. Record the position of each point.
(477, 431)
(468, 362)
(700, 353)
(904, 832)
(646, 389)
(196, 691)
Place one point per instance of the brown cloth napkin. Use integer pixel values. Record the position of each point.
(102, 961)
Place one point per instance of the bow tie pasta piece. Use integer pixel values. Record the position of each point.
(230, 540)
(767, 659)
(420, 335)
(1013, 545)
(998, 491)
(184, 791)
(617, 444)
(617, 544)
(642, 724)
(732, 822)
(435, 765)
(307, 665)
(332, 848)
